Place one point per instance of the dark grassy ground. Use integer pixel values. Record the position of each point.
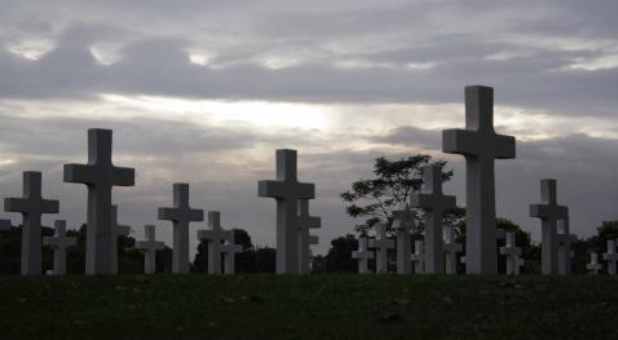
(308, 307)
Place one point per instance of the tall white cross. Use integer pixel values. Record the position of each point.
(306, 222)
(435, 204)
(60, 242)
(403, 223)
(565, 239)
(215, 237)
(287, 191)
(418, 257)
(32, 206)
(481, 146)
(181, 215)
(99, 175)
(117, 231)
(594, 266)
(549, 212)
(451, 248)
(229, 250)
(611, 257)
(363, 255)
(381, 244)
(512, 254)
(150, 247)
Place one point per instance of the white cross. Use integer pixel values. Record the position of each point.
(549, 212)
(403, 223)
(611, 257)
(305, 223)
(381, 244)
(99, 175)
(32, 206)
(435, 204)
(594, 266)
(287, 191)
(363, 255)
(418, 257)
(181, 215)
(564, 241)
(215, 237)
(150, 247)
(117, 231)
(481, 146)
(512, 254)
(60, 242)
(451, 248)
(229, 250)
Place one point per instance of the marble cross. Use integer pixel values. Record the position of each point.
(229, 250)
(564, 241)
(150, 247)
(481, 146)
(181, 215)
(435, 204)
(215, 237)
(31, 207)
(60, 242)
(403, 223)
(287, 191)
(381, 244)
(363, 255)
(594, 266)
(418, 257)
(611, 257)
(117, 231)
(452, 248)
(99, 175)
(549, 212)
(306, 222)
(512, 254)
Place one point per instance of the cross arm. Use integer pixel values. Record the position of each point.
(124, 176)
(78, 173)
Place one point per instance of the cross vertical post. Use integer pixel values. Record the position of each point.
(363, 254)
(305, 223)
(381, 244)
(481, 146)
(403, 223)
(216, 237)
(611, 257)
(452, 248)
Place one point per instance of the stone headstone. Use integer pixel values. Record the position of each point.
(215, 237)
(60, 242)
(451, 248)
(403, 223)
(435, 204)
(481, 146)
(229, 250)
(418, 257)
(31, 207)
(549, 212)
(117, 231)
(363, 255)
(99, 175)
(512, 254)
(611, 257)
(287, 191)
(181, 215)
(306, 222)
(594, 266)
(564, 240)
(381, 244)
(150, 247)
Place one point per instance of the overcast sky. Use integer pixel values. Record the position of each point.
(204, 92)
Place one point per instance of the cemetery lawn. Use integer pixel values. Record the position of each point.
(308, 307)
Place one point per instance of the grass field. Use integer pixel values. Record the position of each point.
(308, 307)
